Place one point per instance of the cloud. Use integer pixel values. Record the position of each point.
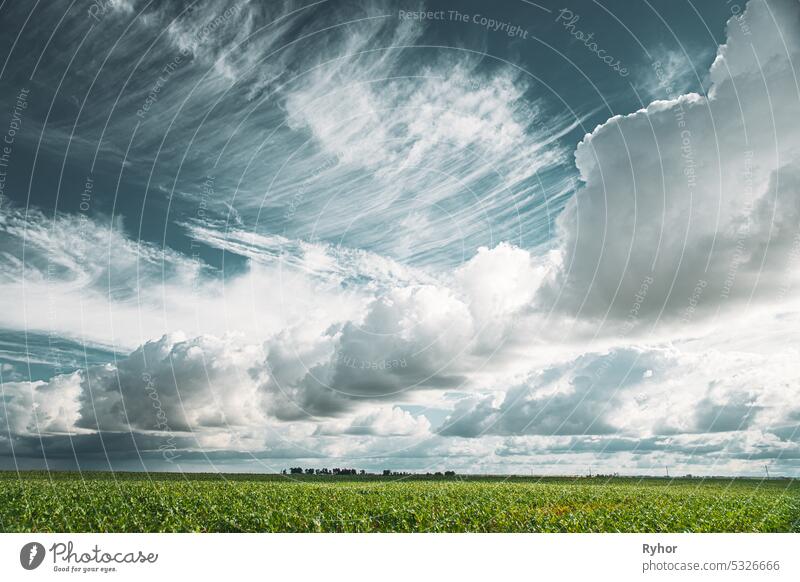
(415, 163)
(75, 268)
(690, 189)
(410, 338)
(42, 408)
(231, 391)
(638, 393)
(715, 451)
(498, 285)
(383, 422)
(335, 265)
(197, 383)
(579, 397)
(426, 122)
(90, 282)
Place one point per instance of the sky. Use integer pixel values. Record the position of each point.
(517, 237)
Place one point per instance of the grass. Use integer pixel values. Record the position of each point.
(133, 502)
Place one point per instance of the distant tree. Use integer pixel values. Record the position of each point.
(296, 470)
(309, 471)
(387, 472)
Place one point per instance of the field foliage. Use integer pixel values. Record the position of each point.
(131, 502)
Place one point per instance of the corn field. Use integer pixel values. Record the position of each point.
(130, 502)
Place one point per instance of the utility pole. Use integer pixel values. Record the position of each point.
(767, 470)
(667, 468)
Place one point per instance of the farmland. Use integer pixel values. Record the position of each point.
(138, 502)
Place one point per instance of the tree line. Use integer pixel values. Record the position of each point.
(346, 471)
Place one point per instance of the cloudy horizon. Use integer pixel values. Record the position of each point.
(510, 239)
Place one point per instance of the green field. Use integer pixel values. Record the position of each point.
(131, 502)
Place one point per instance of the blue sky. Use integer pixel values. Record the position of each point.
(494, 237)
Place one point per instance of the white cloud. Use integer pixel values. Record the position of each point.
(642, 393)
(42, 408)
(691, 189)
(383, 421)
(92, 283)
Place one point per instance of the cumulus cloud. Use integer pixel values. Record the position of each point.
(42, 408)
(179, 383)
(409, 339)
(690, 189)
(229, 391)
(638, 393)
